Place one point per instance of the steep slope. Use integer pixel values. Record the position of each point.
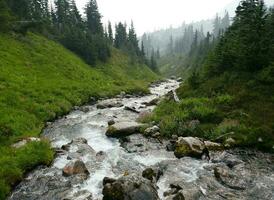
(40, 80)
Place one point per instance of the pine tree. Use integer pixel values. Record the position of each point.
(62, 12)
(93, 16)
(216, 26)
(158, 56)
(194, 44)
(53, 16)
(75, 16)
(225, 21)
(143, 53)
(120, 36)
(110, 33)
(133, 41)
(170, 46)
(153, 63)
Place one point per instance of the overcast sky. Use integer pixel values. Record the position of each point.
(149, 15)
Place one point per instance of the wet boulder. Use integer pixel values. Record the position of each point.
(151, 130)
(84, 109)
(189, 146)
(111, 122)
(152, 174)
(132, 109)
(153, 102)
(212, 146)
(228, 159)
(108, 180)
(80, 195)
(80, 140)
(74, 168)
(230, 142)
(131, 187)
(172, 96)
(109, 104)
(123, 129)
(171, 145)
(234, 179)
(184, 191)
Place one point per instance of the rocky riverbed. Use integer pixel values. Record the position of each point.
(101, 155)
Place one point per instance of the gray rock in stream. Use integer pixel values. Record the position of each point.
(122, 129)
(132, 187)
(109, 104)
(76, 167)
(45, 184)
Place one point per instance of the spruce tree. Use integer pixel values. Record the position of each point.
(120, 36)
(110, 33)
(75, 16)
(132, 40)
(93, 16)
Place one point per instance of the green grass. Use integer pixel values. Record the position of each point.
(41, 80)
(231, 103)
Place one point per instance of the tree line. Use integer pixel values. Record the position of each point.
(248, 44)
(84, 35)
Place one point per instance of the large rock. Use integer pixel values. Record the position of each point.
(172, 96)
(152, 174)
(230, 142)
(123, 129)
(109, 104)
(189, 146)
(132, 109)
(153, 102)
(132, 187)
(234, 179)
(75, 167)
(212, 146)
(151, 130)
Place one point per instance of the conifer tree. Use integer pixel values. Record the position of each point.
(93, 16)
(75, 16)
(170, 45)
(132, 40)
(110, 33)
(120, 36)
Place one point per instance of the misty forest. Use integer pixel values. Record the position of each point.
(90, 109)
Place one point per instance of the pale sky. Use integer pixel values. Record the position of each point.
(149, 15)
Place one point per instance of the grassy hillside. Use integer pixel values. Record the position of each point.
(234, 105)
(40, 80)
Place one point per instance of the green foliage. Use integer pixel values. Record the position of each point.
(194, 80)
(267, 75)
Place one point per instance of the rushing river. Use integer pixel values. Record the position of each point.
(107, 157)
